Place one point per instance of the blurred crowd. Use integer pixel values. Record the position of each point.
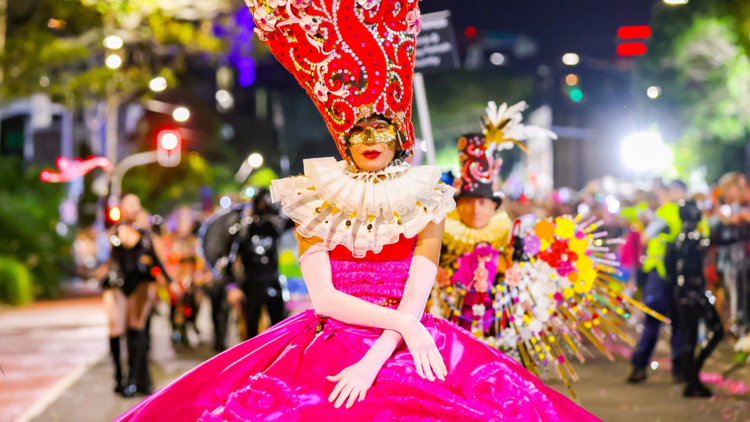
(627, 211)
(241, 260)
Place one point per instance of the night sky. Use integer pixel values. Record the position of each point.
(587, 27)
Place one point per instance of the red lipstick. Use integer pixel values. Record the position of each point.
(371, 154)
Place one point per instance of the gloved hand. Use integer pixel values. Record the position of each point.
(354, 381)
(316, 269)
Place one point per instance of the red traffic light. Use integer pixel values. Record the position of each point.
(631, 49)
(631, 32)
(169, 139)
(114, 214)
(470, 32)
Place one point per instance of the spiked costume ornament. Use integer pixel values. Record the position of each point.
(354, 58)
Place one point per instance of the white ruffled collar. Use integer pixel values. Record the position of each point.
(363, 210)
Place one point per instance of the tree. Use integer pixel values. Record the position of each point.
(57, 47)
(698, 55)
(30, 249)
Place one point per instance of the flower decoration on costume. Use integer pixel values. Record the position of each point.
(532, 245)
(265, 20)
(368, 4)
(321, 91)
(414, 22)
(354, 58)
(310, 25)
(561, 291)
(513, 275)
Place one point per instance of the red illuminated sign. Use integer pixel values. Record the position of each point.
(70, 170)
(631, 49)
(632, 32)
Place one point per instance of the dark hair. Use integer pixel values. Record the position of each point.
(678, 184)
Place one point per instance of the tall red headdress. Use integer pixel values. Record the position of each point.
(355, 58)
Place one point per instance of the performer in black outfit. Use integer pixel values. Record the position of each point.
(132, 266)
(684, 265)
(251, 233)
(257, 249)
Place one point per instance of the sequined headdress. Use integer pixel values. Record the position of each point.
(501, 129)
(355, 58)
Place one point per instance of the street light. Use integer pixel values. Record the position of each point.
(498, 59)
(673, 2)
(113, 42)
(181, 114)
(571, 59)
(158, 84)
(653, 92)
(113, 61)
(225, 202)
(255, 160)
(646, 151)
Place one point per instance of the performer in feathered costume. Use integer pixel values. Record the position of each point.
(370, 231)
(536, 294)
(477, 219)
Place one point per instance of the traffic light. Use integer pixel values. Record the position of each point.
(572, 88)
(168, 148)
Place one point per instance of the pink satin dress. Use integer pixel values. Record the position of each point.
(280, 375)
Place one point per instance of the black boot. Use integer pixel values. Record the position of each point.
(637, 376)
(138, 377)
(696, 388)
(115, 353)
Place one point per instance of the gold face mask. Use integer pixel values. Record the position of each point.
(370, 136)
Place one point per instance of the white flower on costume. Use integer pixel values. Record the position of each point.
(508, 338)
(414, 22)
(478, 310)
(261, 35)
(368, 4)
(276, 3)
(300, 4)
(251, 4)
(309, 24)
(321, 91)
(265, 20)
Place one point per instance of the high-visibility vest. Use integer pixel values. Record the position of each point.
(657, 246)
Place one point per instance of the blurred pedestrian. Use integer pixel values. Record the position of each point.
(257, 249)
(185, 268)
(126, 278)
(726, 222)
(657, 293)
(684, 265)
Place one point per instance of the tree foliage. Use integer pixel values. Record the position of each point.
(56, 46)
(698, 55)
(28, 215)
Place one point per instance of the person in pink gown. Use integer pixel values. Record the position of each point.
(370, 229)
